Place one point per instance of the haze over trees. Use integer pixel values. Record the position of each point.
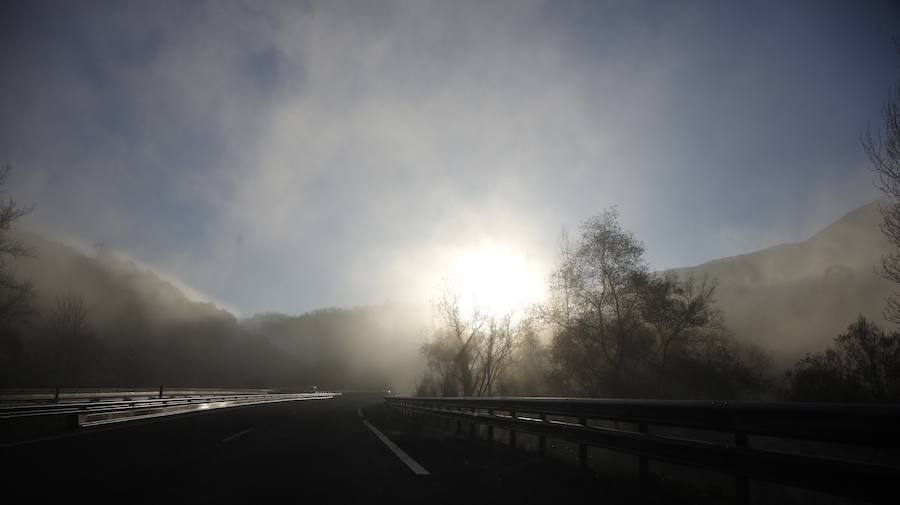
(620, 330)
(15, 294)
(794, 298)
(82, 320)
(883, 150)
(609, 327)
(862, 365)
(615, 330)
(612, 328)
(104, 321)
(468, 353)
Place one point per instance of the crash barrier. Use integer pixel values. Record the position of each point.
(644, 428)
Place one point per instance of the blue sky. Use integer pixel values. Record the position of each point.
(288, 156)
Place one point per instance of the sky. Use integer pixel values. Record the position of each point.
(293, 155)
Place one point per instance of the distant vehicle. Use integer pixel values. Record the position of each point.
(387, 392)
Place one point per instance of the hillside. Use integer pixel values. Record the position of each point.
(143, 330)
(795, 298)
(112, 287)
(372, 346)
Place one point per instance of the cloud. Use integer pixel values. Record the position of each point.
(294, 155)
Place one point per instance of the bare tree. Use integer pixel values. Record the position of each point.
(69, 318)
(469, 352)
(440, 379)
(498, 347)
(71, 332)
(863, 364)
(599, 332)
(883, 149)
(457, 339)
(617, 326)
(528, 372)
(679, 313)
(563, 285)
(15, 295)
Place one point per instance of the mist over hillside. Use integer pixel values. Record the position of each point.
(794, 298)
(113, 288)
(373, 346)
(140, 329)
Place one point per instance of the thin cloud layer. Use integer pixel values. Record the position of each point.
(288, 156)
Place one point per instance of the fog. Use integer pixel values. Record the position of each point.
(329, 154)
(791, 299)
(140, 329)
(288, 184)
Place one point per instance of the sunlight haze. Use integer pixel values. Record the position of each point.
(294, 155)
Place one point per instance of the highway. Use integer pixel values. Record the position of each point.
(274, 452)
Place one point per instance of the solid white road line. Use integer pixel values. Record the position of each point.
(238, 434)
(359, 413)
(411, 463)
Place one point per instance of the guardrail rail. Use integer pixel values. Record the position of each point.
(93, 407)
(748, 455)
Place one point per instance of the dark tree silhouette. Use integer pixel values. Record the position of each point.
(15, 294)
(679, 314)
(468, 354)
(883, 149)
(596, 305)
(621, 330)
(76, 348)
(862, 365)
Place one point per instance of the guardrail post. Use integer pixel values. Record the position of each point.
(160, 391)
(512, 433)
(741, 484)
(490, 429)
(542, 440)
(582, 448)
(56, 395)
(643, 464)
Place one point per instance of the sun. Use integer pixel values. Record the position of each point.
(496, 280)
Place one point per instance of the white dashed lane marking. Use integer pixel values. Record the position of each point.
(238, 434)
(400, 453)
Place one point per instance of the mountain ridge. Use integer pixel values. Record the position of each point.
(796, 297)
(789, 299)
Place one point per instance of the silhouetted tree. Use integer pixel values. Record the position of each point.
(680, 314)
(73, 339)
(464, 332)
(620, 330)
(595, 306)
(862, 365)
(497, 349)
(718, 368)
(530, 365)
(883, 149)
(440, 353)
(468, 353)
(15, 295)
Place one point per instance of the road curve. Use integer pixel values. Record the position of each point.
(270, 453)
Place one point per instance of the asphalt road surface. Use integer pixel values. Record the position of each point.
(350, 449)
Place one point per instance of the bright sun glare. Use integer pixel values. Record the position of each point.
(495, 280)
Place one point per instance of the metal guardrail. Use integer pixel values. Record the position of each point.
(574, 420)
(85, 413)
(63, 394)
